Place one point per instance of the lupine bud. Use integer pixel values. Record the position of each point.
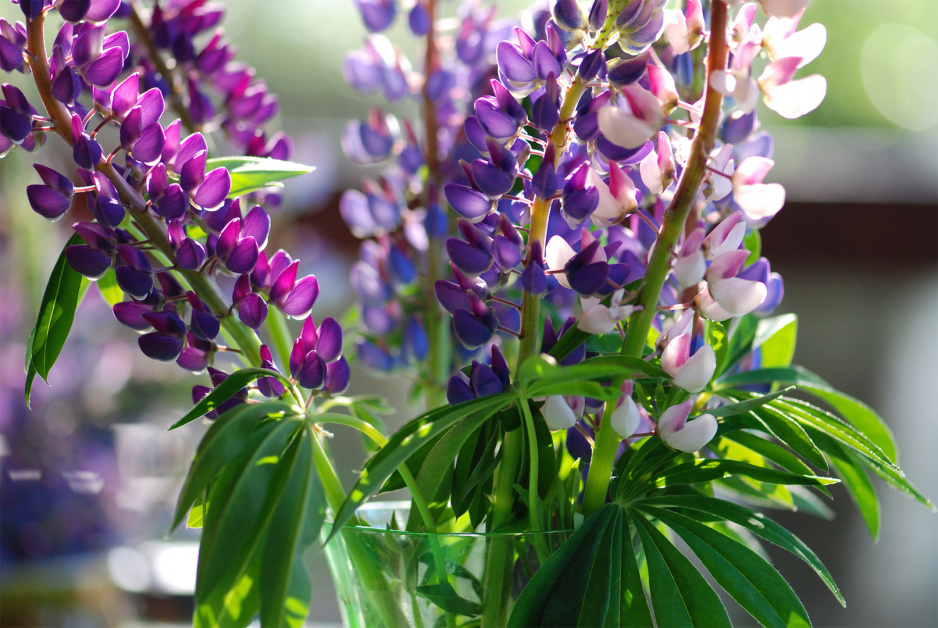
(557, 414)
(626, 418)
(682, 435)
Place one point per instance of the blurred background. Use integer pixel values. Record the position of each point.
(89, 475)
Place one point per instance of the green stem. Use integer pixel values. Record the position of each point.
(607, 441)
(534, 507)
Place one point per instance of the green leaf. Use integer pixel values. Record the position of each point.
(108, 288)
(704, 470)
(753, 243)
(224, 440)
(770, 451)
(604, 343)
(719, 340)
(742, 407)
(679, 593)
(234, 607)
(240, 505)
(541, 372)
(445, 597)
(745, 575)
(550, 589)
(249, 174)
(776, 338)
(408, 440)
(857, 413)
(742, 333)
(755, 522)
(54, 321)
(286, 585)
(232, 384)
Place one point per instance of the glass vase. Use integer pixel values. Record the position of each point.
(387, 577)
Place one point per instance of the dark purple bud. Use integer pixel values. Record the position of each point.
(32, 8)
(174, 204)
(591, 64)
(738, 127)
(625, 71)
(469, 203)
(597, 15)
(130, 314)
(545, 183)
(469, 259)
(242, 258)
(544, 62)
(312, 374)
(47, 202)
(419, 19)
(14, 124)
(451, 296)
(500, 367)
(473, 331)
(252, 310)
(506, 253)
(494, 121)
(87, 261)
(458, 389)
(377, 15)
(269, 386)
(513, 65)
(66, 86)
(87, 152)
(301, 298)
(415, 339)
(578, 205)
(483, 381)
(160, 346)
(544, 112)
(490, 179)
(567, 15)
(337, 377)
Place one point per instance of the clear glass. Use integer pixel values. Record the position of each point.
(387, 577)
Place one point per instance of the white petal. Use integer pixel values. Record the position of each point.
(710, 308)
(597, 320)
(697, 371)
(796, 98)
(623, 129)
(626, 418)
(783, 8)
(557, 255)
(806, 43)
(673, 419)
(738, 296)
(557, 414)
(651, 173)
(695, 434)
(760, 201)
(689, 271)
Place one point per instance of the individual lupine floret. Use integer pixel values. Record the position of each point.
(483, 380)
(602, 319)
(687, 436)
(568, 15)
(252, 308)
(689, 264)
(632, 128)
(93, 258)
(727, 295)
(689, 369)
(314, 350)
(293, 297)
(52, 199)
(626, 418)
(617, 199)
(685, 32)
(12, 46)
(557, 413)
(639, 22)
(165, 343)
(370, 141)
(658, 170)
(16, 115)
(97, 57)
(761, 272)
(207, 191)
(758, 200)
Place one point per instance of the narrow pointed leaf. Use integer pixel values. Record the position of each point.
(232, 384)
(249, 174)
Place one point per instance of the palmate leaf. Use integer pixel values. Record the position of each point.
(54, 321)
(858, 414)
(407, 441)
(249, 174)
(745, 575)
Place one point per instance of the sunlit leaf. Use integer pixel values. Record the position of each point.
(249, 174)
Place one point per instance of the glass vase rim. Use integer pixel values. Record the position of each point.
(405, 505)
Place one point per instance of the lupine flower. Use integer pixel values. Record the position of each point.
(691, 370)
(679, 433)
(626, 418)
(757, 200)
(558, 414)
(600, 319)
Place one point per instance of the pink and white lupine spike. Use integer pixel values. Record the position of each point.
(688, 436)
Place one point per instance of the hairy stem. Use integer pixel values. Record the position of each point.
(607, 441)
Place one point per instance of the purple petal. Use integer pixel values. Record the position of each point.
(472, 331)
(627, 70)
(589, 279)
(544, 62)
(467, 202)
(377, 15)
(149, 146)
(496, 122)
(125, 95)
(284, 282)
(491, 180)
(329, 347)
(160, 347)
(174, 203)
(458, 390)
(213, 190)
(415, 339)
(312, 374)
(513, 65)
(467, 258)
(193, 172)
(451, 296)
(14, 125)
(87, 261)
(506, 253)
(299, 301)
(87, 152)
(257, 225)
(101, 10)
(243, 257)
(129, 313)
(484, 381)
(189, 148)
(136, 283)
(166, 322)
(419, 20)
(337, 377)
(228, 239)
(106, 67)
(252, 310)
(204, 325)
(47, 202)
(108, 211)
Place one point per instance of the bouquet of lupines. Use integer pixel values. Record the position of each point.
(581, 194)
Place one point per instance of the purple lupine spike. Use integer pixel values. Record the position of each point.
(329, 346)
(252, 310)
(299, 301)
(337, 377)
